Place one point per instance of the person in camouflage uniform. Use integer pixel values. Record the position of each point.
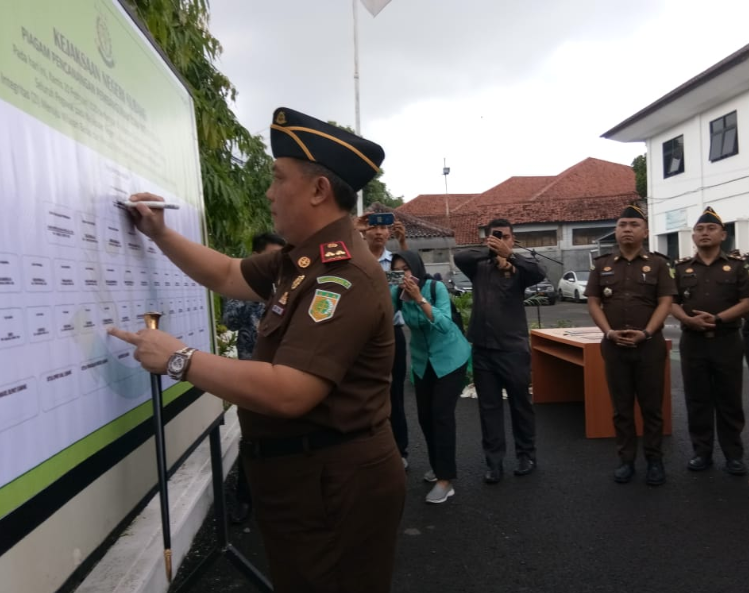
(244, 317)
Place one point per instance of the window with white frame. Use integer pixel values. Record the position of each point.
(724, 137)
(673, 157)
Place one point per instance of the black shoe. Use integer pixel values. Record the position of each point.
(241, 513)
(700, 463)
(493, 475)
(624, 473)
(736, 467)
(656, 474)
(525, 466)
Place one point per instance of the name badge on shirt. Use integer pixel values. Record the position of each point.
(607, 273)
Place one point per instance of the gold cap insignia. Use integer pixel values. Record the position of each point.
(304, 262)
(297, 282)
(607, 269)
(284, 298)
(726, 268)
(645, 268)
(280, 118)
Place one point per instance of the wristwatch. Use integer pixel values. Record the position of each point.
(647, 334)
(423, 301)
(179, 362)
(717, 320)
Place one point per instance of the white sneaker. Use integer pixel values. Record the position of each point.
(440, 494)
(405, 462)
(430, 477)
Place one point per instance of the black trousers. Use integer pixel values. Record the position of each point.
(712, 369)
(637, 373)
(397, 406)
(494, 370)
(436, 399)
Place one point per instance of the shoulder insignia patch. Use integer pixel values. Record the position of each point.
(335, 280)
(323, 305)
(334, 251)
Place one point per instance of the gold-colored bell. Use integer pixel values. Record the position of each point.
(152, 319)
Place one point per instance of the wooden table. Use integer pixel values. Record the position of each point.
(567, 366)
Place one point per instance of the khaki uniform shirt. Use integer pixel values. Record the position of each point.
(712, 288)
(329, 313)
(629, 290)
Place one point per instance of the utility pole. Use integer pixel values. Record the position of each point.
(446, 172)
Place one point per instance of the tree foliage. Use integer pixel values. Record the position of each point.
(235, 167)
(640, 167)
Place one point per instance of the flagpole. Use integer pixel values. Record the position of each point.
(360, 194)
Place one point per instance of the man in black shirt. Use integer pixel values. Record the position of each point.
(498, 331)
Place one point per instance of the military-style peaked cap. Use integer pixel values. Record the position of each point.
(710, 215)
(632, 211)
(299, 136)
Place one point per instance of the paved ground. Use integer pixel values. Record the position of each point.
(566, 528)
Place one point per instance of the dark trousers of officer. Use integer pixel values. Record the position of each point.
(329, 518)
(711, 368)
(494, 370)
(637, 374)
(397, 406)
(436, 398)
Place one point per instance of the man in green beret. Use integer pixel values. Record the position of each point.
(327, 479)
(630, 292)
(713, 295)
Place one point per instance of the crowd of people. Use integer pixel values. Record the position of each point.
(319, 380)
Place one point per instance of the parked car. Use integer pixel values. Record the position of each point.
(544, 291)
(572, 286)
(458, 283)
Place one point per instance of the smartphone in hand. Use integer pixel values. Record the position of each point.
(395, 277)
(382, 219)
(405, 297)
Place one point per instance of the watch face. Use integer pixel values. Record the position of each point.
(176, 364)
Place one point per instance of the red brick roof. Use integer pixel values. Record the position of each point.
(591, 190)
(434, 204)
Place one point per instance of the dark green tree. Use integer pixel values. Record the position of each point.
(235, 167)
(640, 167)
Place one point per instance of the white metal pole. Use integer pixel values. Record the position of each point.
(360, 195)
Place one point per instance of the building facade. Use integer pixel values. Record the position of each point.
(697, 139)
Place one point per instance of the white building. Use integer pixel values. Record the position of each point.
(697, 139)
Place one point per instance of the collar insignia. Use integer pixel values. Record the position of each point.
(297, 282)
(337, 251)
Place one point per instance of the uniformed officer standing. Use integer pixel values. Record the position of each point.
(629, 295)
(326, 477)
(713, 295)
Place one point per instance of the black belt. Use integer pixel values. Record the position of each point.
(264, 448)
(712, 333)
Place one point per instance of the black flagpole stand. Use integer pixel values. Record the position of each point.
(534, 253)
(152, 322)
(223, 547)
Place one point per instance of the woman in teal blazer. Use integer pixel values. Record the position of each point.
(439, 355)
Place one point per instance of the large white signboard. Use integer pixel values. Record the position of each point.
(89, 114)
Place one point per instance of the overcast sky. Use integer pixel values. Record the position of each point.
(497, 87)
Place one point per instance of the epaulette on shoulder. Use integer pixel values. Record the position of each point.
(683, 260)
(738, 257)
(661, 255)
(602, 255)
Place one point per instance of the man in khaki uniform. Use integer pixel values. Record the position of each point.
(326, 477)
(713, 295)
(630, 292)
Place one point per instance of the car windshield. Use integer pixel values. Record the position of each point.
(582, 276)
(460, 278)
